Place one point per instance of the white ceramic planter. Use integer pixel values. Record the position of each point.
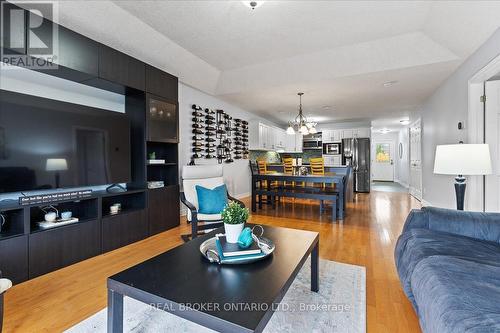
(233, 231)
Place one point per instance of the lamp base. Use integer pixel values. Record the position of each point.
(460, 184)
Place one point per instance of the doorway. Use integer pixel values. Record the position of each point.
(492, 137)
(483, 193)
(383, 161)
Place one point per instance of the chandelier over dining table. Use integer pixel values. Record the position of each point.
(301, 123)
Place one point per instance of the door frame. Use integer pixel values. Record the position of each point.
(373, 148)
(475, 201)
(416, 123)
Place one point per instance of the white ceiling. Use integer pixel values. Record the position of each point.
(338, 52)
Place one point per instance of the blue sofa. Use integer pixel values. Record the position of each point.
(448, 262)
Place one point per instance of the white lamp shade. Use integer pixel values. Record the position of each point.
(463, 159)
(313, 130)
(290, 130)
(303, 130)
(56, 164)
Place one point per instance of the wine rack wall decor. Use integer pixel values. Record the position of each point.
(217, 135)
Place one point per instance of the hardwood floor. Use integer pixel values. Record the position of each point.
(57, 301)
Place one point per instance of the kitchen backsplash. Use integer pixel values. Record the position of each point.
(274, 157)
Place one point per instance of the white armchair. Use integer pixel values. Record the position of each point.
(208, 176)
(5, 284)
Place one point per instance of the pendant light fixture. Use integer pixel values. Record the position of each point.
(300, 122)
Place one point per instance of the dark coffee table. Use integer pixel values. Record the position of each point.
(239, 298)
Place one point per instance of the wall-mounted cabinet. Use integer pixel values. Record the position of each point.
(162, 120)
(293, 143)
(331, 135)
(265, 137)
(121, 69)
(162, 84)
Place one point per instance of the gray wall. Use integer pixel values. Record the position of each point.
(440, 115)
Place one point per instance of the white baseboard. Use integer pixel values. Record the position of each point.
(405, 185)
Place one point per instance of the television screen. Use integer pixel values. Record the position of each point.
(48, 144)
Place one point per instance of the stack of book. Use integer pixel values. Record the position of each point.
(233, 252)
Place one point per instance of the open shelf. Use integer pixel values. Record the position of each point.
(85, 210)
(14, 223)
(167, 172)
(130, 202)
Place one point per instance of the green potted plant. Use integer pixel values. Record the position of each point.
(234, 217)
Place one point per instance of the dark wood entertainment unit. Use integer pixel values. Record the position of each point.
(27, 251)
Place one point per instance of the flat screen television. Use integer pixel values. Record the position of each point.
(48, 144)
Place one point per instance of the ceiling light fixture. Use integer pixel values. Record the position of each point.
(253, 4)
(404, 122)
(389, 83)
(385, 130)
(300, 123)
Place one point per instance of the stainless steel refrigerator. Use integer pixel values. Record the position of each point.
(356, 152)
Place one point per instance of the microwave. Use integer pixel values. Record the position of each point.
(332, 148)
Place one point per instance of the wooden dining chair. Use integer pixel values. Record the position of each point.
(288, 168)
(317, 169)
(262, 167)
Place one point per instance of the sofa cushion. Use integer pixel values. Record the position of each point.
(418, 244)
(457, 295)
(485, 226)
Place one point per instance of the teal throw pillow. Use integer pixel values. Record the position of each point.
(211, 201)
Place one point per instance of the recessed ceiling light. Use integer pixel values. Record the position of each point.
(404, 122)
(281, 112)
(389, 83)
(253, 4)
(326, 107)
(384, 130)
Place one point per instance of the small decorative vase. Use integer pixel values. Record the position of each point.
(233, 231)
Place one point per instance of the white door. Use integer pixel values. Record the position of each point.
(492, 126)
(416, 161)
(383, 161)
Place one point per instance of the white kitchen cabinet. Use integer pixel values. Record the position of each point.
(363, 132)
(332, 160)
(298, 142)
(336, 136)
(293, 143)
(280, 138)
(327, 136)
(347, 134)
(265, 137)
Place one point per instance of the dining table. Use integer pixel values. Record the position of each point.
(336, 195)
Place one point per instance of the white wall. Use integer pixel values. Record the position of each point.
(440, 115)
(237, 174)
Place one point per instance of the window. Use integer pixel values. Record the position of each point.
(383, 153)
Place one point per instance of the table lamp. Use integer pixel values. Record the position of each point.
(56, 164)
(462, 160)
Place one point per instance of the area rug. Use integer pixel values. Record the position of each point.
(340, 306)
